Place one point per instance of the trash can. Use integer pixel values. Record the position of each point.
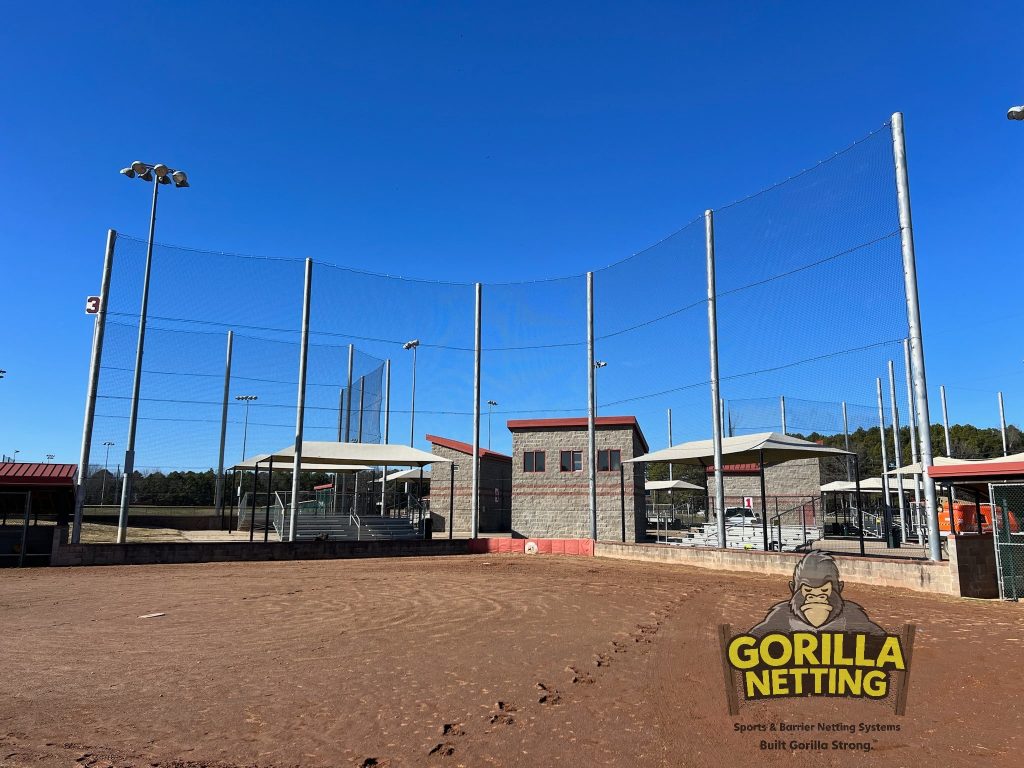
(428, 527)
(895, 537)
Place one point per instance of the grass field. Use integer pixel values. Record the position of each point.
(460, 661)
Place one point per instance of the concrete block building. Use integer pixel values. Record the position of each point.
(550, 478)
(495, 488)
(788, 482)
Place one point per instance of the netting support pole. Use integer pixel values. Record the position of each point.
(782, 414)
(716, 398)
(133, 416)
(387, 434)
(474, 512)
(348, 393)
(916, 338)
(883, 442)
(897, 448)
(591, 410)
(95, 360)
(359, 427)
(912, 420)
(1002, 424)
(300, 409)
(670, 441)
(219, 501)
(846, 443)
(945, 421)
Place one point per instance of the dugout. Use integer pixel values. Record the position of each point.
(30, 494)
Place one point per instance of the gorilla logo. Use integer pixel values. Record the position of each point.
(817, 603)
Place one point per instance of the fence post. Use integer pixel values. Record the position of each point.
(883, 443)
(219, 500)
(912, 420)
(914, 324)
(476, 414)
(591, 411)
(300, 409)
(387, 434)
(782, 409)
(348, 394)
(95, 361)
(716, 399)
(846, 443)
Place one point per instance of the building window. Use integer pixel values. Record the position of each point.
(533, 461)
(572, 461)
(609, 460)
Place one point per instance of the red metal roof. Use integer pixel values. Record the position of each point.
(466, 448)
(28, 473)
(580, 421)
(986, 469)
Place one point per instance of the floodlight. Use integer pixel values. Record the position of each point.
(139, 167)
(128, 172)
(161, 170)
(180, 179)
(600, 364)
(147, 176)
(1015, 113)
(411, 344)
(163, 179)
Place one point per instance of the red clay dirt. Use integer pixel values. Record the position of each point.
(503, 660)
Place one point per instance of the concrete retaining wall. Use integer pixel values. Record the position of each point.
(972, 562)
(919, 575)
(218, 552)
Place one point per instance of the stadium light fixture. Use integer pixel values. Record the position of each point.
(49, 457)
(180, 179)
(1015, 113)
(247, 399)
(145, 172)
(600, 363)
(2, 373)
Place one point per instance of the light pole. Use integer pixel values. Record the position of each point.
(413, 345)
(247, 399)
(490, 406)
(1015, 113)
(158, 174)
(49, 458)
(103, 487)
(16, 455)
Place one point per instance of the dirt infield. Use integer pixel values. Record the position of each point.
(459, 661)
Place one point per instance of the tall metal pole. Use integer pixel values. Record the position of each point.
(897, 448)
(883, 441)
(341, 414)
(133, 416)
(782, 409)
(412, 401)
(912, 420)
(846, 443)
(476, 415)
(670, 441)
(945, 421)
(219, 496)
(591, 411)
(899, 151)
(359, 429)
(95, 360)
(716, 399)
(387, 433)
(348, 394)
(300, 408)
(1002, 424)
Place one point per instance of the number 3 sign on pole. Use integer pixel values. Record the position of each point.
(92, 305)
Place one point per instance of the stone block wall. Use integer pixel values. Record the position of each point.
(495, 492)
(555, 504)
(789, 479)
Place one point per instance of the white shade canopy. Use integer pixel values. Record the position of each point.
(671, 485)
(868, 485)
(407, 474)
(361, 455)
(743, 449)
(307, 466)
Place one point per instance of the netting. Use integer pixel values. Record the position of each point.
(810, 307)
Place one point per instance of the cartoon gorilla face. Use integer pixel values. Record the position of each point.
(817, 590)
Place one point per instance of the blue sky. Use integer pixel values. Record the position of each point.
(489, 142)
